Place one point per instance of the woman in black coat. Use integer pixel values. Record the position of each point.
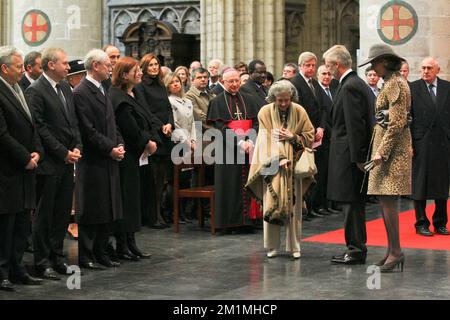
(135, 124)
(155, 98)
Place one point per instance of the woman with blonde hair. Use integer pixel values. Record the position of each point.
(183, 73)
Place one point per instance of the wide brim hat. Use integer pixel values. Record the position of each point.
(76, 66)
(380, 51)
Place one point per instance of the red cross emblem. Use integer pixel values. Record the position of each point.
(36, 28)
(397, 22)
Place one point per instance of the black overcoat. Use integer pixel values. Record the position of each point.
(430, 132)
(18, 139)
(98, 194)
(137, 128)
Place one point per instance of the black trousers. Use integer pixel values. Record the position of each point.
(355, 226)
(52, 217)
(319, 190)
(14, 229)
(439, 216)
(92, 242)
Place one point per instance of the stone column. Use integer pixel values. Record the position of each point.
(76, 26)
(432, 37)
(237, 30)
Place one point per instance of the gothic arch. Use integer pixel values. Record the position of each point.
(122, 20)
(190, 21)
(145, 15)
(170, 15)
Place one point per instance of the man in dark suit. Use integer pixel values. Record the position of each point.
(97, 187)
(350, 138)
(430, 132)
(114, 55)
(309, 98)
(327, 93)
(19, 156)
(254, 85)
(51, 100)
(33, 69)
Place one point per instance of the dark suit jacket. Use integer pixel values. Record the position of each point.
(350, 139)
(58, 130)
(430, 132)
(257, 92)
(218, 89)
(327, 105)
(313, 105)
(98, 193)
(18, 139)
(24, 83)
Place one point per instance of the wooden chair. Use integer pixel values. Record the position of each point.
(199, 192)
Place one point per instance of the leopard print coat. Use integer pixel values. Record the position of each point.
(393, 143)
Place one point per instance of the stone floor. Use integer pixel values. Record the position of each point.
(195, 265)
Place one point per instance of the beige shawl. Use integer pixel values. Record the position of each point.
(280, 196)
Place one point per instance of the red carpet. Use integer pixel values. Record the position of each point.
(376, 234)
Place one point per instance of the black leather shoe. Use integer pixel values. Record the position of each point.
(306, 218)
(128, 256)
(108, 263)
(349, 259)
(442, 231)
(334, 211)
(424, 231)
(61, 268)
(27, 280)
(313, 214)
(92, 266)
(50, 274)
(6, 285)
(322, 211)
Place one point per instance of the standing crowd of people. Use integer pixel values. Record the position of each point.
(98, 136)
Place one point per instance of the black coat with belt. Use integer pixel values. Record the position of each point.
(98, 193)
(430, 132)
(137, 127)
(351, 124)
(154, 96)
(18, 139)
(57, 128)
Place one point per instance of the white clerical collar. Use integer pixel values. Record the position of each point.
(53, 83)
(29, 78)
(95, 82)
(345, 74)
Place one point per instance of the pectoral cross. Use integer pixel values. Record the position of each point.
(238, 113)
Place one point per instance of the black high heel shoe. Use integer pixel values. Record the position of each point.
(381, 262)
(389, 267)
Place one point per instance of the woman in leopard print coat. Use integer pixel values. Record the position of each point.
(391, 148)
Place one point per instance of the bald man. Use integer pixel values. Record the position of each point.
(430, 131)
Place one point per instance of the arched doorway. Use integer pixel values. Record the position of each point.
(162, 39)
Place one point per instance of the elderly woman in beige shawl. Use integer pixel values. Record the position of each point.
(284, 130)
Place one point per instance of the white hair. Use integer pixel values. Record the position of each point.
(339, 53)
(306, 56)
(279, 87)
(94, 55)
(6, 53)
